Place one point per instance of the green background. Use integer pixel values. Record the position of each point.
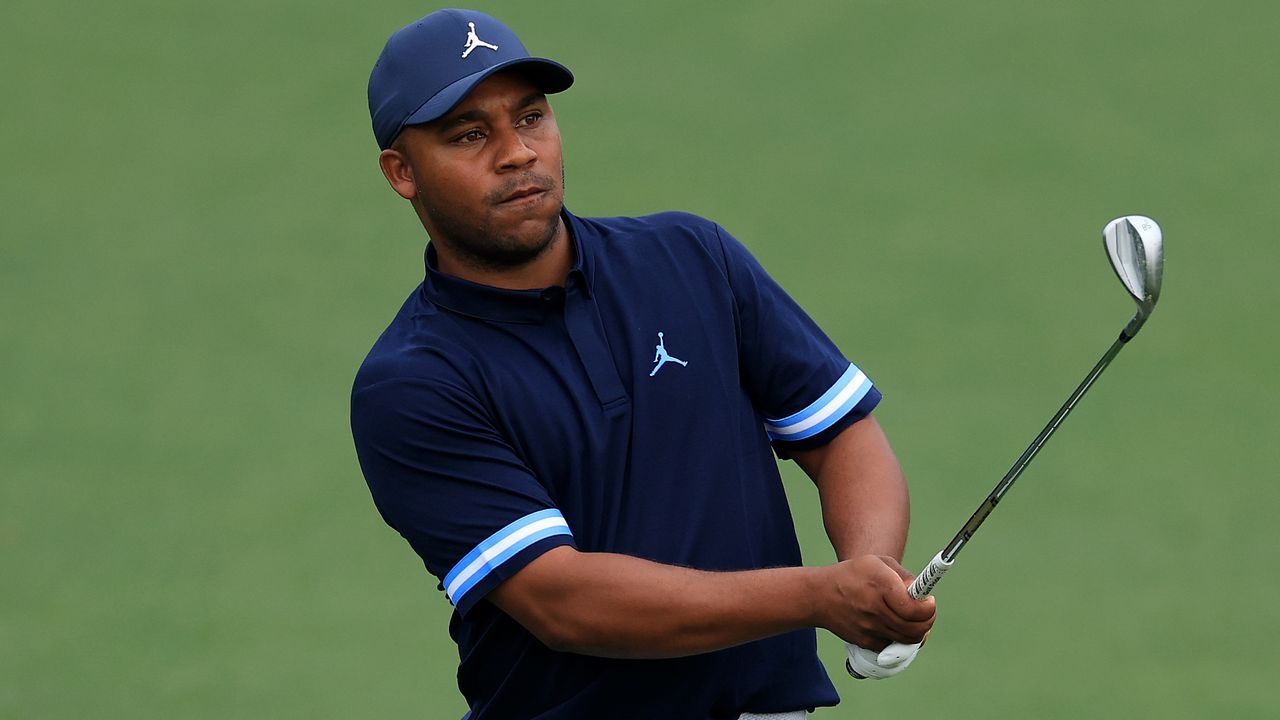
(198, 249)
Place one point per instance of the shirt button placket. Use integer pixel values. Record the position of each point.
(586, 331)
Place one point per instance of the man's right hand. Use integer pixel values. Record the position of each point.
(866, 603)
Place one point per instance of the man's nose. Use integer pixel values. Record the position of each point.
(515, 153)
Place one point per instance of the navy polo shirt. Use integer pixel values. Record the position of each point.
(631, 411)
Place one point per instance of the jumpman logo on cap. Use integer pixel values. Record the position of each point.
(662, 357)
(473, 41)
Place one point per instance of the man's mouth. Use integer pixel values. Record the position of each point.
(523, 194)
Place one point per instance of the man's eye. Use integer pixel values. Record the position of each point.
(530, 119)
(469, 137)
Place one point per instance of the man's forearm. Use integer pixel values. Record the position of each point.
(612, 605)
(866, 508)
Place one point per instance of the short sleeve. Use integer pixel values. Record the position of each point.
(796, 377)
(444, 478)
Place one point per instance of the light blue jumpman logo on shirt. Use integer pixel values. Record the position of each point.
(662, 357)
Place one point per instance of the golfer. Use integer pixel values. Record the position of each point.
(608, 522)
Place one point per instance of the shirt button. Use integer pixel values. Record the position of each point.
(553, 295)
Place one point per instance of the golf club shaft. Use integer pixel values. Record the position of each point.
(1135, 246)
(929, 577)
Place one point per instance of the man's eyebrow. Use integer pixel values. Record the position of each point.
(530, 99)
(450, 123)
(447, 124)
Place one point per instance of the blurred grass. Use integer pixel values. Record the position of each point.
(196, 250)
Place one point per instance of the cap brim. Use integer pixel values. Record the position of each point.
(550, 76)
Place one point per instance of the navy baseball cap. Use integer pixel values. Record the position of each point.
(429, 66)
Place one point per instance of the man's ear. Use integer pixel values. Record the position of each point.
(395, 167)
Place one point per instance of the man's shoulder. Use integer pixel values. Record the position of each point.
(418, 346)
(669, 224)
(680, 235)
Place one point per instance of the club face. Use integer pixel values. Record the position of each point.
(1135, 247)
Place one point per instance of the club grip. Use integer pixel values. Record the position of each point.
(920, 588)
(924, 583)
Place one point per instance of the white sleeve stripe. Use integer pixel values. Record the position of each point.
(497, 537)
(832, 418)
(841, 383)
(500, 547)
(824, 414)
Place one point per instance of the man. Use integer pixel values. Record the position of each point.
(611, 529)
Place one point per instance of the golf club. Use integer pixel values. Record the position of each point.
(1135, 247)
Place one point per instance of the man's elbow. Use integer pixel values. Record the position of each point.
(558, 633)
(536, 598)
(561, 626)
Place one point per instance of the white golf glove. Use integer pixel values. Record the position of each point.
(867, 664)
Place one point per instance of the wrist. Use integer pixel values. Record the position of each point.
(817, 587)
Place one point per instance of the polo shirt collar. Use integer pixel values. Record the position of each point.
(517, 306)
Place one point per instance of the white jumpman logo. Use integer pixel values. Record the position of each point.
(662, 357)
(474, 42)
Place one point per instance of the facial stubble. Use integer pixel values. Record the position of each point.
(480, 243)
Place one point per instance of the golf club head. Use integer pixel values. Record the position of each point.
(1135, 247)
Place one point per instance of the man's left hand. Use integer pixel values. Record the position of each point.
(867, 664)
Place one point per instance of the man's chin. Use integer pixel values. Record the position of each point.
(525, 244)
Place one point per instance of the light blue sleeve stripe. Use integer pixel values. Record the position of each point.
(501, 546)
(502, 557)
(818, 404)
(496, 538)
(832, 418)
